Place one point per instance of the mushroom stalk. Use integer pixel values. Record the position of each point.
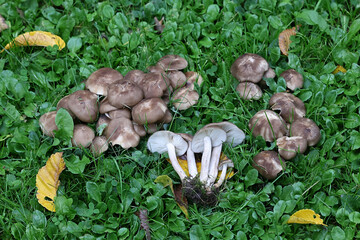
(205, 160)
(214, 164)
(191, 162)
(222, 177)
(174, 161)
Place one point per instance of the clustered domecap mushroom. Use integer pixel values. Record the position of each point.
(132, 106)
(207, 141)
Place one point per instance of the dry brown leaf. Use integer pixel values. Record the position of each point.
(144, 222)
(306, 216)
(284, 39)
(36, 38)
(339, 69)
(3, 24)
(47, 181)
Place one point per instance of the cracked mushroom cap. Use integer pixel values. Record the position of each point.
(290, 106)
(249, 90)
(293, 79)
(64, 103)
(149, 111)
(83, 135)
(84, 104)
(120, 131)
(47, 123)
(184, 98)
(124, 94)
(249, 68)
(268, 124)
(99, 145)
(268, 164)
(158, 142)
(176, 78)
(154, 85)
(290, 146)
(192, 78)
(172, 62)
(105, 106)
(307, 129)
(135, 76)
(216, 134)
(99, 80)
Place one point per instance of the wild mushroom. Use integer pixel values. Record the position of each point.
(102, 123)
(154, 85)
(83, 135)
(190, 156)
(184, 98)
(105, 106)
(47, 123)
(172, 62)
(173, 144)
(223, 165)
(290, 106)
(139, 129)
(249, 90)
(64, 103)
(192, 78)
(135, 76)
(84, 104)
(307, 129)
(176, 78)
(290, 146)
(249, 67)
(148, 111)
(120, 131)
(99, 80)
(268, 124)
(99, 145)
(270, 73)
(119, 113)
(268, 164)
(124, 94)
(293, 79)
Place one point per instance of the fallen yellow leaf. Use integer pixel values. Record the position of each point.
(284, 39)
(47, 181)
(306, 216)
(339, 69)
(36, 38)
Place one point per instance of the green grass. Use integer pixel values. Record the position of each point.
(100, 199)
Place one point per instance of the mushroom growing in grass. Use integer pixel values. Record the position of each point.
(307, 129)
(293, 79)
(223, 166)
(290, 146)
(289, 106)
(249, 90)
(47, 123)
(249, 67)
(268, 164)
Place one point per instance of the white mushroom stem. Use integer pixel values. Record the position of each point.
(205, 160)
(214, 164)
(191, 162)
(222, 177)
(174, 161)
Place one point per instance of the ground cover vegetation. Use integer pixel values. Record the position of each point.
(102, 197)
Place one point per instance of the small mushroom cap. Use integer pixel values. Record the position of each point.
(148, 111)
(249, 90)
(139, 129)
(156, 68)
(105, 106)
(124, 94)
(192, 78)
(290, 146)
(184, 98)
(99, 80)
(99, 145)
(135, 76)
(120, 131)
(290, 106)
(102, 124)
(83, 135)
(293, 79)
(249, 67)
(151, 128)
(47, 123)
(64, 103)
(270, 73)
(172, 62)
(234, 135)
(269, 164)
(84, 104)
(216, 134)
(119, 113)
(157, 142)
(176, 78)
(307, 129)
(268, 124)
(227, 162)
(154, 85)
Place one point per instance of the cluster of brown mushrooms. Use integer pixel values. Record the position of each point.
(285, 123)
(200, 187)
(126, 108)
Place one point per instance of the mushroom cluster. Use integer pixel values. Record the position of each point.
(251, 68)
(286, 124)
(202, 187)
(128, 107)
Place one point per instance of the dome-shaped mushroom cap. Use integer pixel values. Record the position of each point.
(293, 79)
(99, 145)
(83, 135)
(290, 146)
(64, 103)
(176, 78)
(267, 124)
(158, 142)
(99, 80)
(270, 73)
(249, 68)
(124, 94)
(47, 123)
(216, 134)
(154, 84)
(102, 124)
(249, 90)
(290, 106)
(307, 129)
(184, 98)
(192, 78)
(139, 129)
(119, 113)
(105, 106)
(172, 62)
(234, 135)
(84, 104)
(268, 164)
(135, 76)
(150, 110)
(120, 131)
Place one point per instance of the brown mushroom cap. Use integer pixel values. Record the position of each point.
(105, 106)
(99, 145)
(293, 79)
(249, 68)
(184, 98)
(269, 164)
(148, 111)
(167, 117)
(290, 106)
(99, 80)
(84, 104)
(270, 73)
(83, 135)
(151, 128)
(47, 123)
(102, 123)
(307, 129)
(139, 129)
(64, 103)
(176, 78)
(290, 146)
(119, 113)
(154, 85)
(192, 78)
(135, 76)
(124, 94)
(120, 131)
(259, 124)
(172, 62)
(249, 90)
